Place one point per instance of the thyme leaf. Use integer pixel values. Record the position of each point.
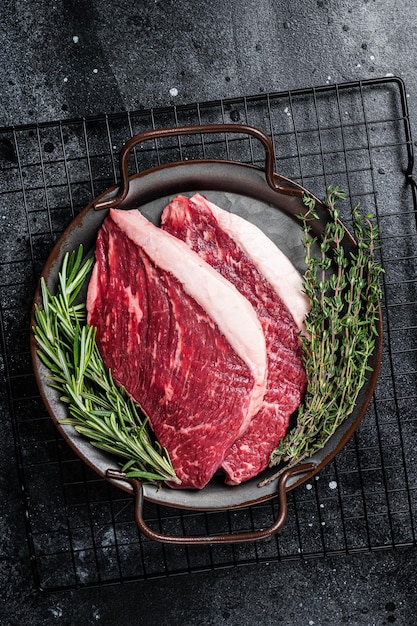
(97, 408)
(341, 328)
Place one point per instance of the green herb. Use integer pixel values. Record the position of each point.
(98, 409)
(341, 327)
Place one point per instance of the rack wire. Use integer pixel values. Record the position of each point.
(81, 529)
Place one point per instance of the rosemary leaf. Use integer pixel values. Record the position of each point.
(97, 408)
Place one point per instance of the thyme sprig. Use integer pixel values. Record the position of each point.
(98, 409)
(341, 327)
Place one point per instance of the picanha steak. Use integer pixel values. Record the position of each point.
(240, 252)
(182, 340)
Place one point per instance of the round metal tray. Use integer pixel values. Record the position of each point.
(271, 202)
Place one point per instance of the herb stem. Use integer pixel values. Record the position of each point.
(97, 408)
(340, 329)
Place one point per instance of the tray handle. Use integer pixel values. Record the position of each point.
(160, 133)
(243, 537)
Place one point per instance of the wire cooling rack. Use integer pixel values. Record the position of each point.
(80, 529)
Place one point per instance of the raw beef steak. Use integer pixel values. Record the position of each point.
(225, 241)
(180, 338)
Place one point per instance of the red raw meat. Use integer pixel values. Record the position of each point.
(173, 355)
(196, 221)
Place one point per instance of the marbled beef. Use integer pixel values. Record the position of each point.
(238, 250)
(180, 338)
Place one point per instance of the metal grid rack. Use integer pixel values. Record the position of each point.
(80, 529)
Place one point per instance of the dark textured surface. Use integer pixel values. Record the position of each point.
(67, 59)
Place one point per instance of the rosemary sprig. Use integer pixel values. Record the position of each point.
(341, 328)
(98, 409)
